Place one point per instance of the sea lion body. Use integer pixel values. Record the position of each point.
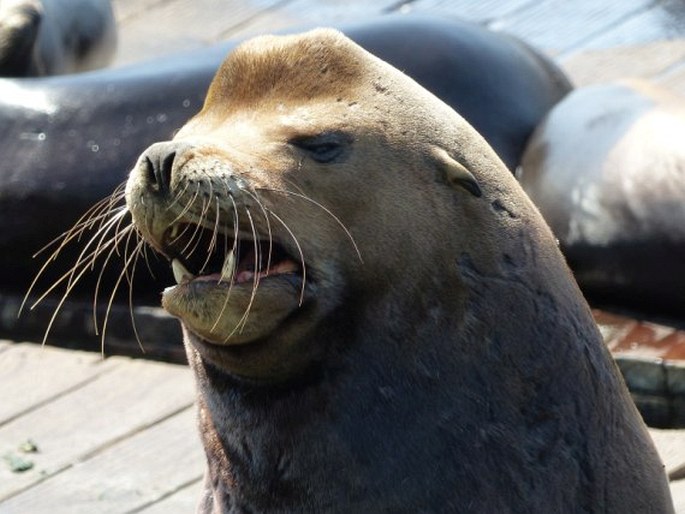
(68, 141)
(378, 318)
(50, 37)
(616, 205)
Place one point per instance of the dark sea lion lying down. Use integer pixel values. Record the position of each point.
(50, 37)
(378, 318)
(607, 170)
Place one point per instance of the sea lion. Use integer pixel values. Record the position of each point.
(378, 318)
(607, 170)
(50, 37)
(68, 141)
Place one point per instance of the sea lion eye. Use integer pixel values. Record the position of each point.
(326, 147)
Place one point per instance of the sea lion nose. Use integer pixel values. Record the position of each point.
(157, 164)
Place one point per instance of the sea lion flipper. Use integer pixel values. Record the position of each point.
(456, 173)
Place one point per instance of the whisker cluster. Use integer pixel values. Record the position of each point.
(106, 231)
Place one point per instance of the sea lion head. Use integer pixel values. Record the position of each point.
(316, 180)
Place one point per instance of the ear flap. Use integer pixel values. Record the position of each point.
(456, 173)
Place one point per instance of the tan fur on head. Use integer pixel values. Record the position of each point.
(270, 69)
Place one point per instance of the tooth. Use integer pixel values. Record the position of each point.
(228, 269)
(174, 231)
(181, 274)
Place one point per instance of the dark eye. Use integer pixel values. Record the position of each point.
(325, 147)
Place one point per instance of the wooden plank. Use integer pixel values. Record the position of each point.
(644, 61)
(674, 79)
(678, 492)
(32, 375)
(115, 405)
(484, 11)
(663, 21)
(125, 477)
(560, 25)
(126, 9)
(671, 447)
(181, 502)
(308, 13)
(179, 25)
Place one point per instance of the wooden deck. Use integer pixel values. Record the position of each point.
(84, 434)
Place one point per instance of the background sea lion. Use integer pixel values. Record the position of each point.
(49, 37)
(377, 316)
(68, 141)
(607, 169)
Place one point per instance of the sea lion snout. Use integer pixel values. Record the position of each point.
(157, 163)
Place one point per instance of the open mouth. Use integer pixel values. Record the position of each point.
(199, 254)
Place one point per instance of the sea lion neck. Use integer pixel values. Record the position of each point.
(262, 438)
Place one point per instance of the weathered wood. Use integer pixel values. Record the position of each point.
(179, 25)
(126, 9)
(678, 492)
(559, 25)
(644, 61)
(126, 476)
(671, 446)
(484, 11)
(182, 501)
(135, 395)
(307, 13)
(664, 20)
(675, 79)
(33, 375)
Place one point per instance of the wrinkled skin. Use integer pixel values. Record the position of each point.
(417, 343)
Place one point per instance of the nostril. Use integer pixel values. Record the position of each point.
(157, 164)
(161, 171)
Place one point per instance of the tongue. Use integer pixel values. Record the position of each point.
(279, 268)
(245, 269)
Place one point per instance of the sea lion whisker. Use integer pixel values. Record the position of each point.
(233, 251)
(293, 184)
(82, 225)
(213, 239)
(117, 195)
(70, 286)
(117, 230)
(108, 207)
(260, 204)
(79, 261)
(198, 230)
(177, 196)
(103, 236)
(114, 291)
(83, 262)
(299, 250)
(326, 210)
(140, 249)
(181, 233)
(146, 257)
(127, 232)
(187, 207)
(255, 279)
